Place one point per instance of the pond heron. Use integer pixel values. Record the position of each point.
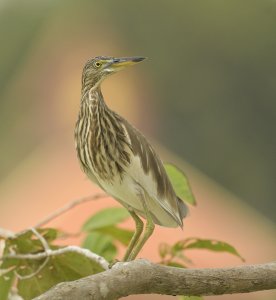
(119, 159)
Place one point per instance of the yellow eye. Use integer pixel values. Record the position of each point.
(97, 64)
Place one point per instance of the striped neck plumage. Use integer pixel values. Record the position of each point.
(101, 131)
(91, 93)
(93, 104)
(90, 83)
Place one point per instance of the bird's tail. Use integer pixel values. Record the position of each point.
(183, 208)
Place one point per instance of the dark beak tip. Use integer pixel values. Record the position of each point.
(138, 59)
(134, 59)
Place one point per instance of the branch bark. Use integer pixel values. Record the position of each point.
(144, 277)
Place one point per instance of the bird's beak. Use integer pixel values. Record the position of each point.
(120, 63)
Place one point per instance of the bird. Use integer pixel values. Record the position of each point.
(118, 158)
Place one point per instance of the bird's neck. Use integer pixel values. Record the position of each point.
(93, 96)
(90, 83)
(92, 103)
(100, 130)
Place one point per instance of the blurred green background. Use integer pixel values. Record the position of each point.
(207, 92)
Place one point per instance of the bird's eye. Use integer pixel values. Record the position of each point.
(97, 64)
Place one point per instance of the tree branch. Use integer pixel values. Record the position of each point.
(48, 252)
(67, 207)
(144, 277)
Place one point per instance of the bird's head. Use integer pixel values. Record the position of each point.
(98, 68)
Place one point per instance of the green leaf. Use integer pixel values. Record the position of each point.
(122, 235)
(65, 267)
(27, 242)
(106, 217)
(6, 278)
(190, 298)
(212, 245)
(180, 184)
(164, 249)
(6, 282)
(100, 244)
(178, 247)
(49, 234)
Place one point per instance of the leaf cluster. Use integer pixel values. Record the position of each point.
(27, 275)
(102, 234)
(175, 255)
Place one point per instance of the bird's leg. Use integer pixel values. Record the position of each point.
(148, 232)
(138, 230)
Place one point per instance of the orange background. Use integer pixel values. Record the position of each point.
(39, 105)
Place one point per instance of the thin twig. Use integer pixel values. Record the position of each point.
(44, 243)
(5, 233)
(3, 272)
(24, 277)
(46, 247)
(67, 207)
(48, 253)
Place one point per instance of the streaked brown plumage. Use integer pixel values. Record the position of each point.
(118, 158)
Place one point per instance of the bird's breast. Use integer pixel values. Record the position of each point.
(101, 149)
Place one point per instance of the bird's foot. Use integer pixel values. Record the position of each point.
(114, 262)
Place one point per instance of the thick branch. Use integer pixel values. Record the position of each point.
(144, 277)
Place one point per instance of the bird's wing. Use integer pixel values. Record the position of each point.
(150, 174)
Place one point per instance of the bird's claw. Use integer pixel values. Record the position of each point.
(114, 262)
